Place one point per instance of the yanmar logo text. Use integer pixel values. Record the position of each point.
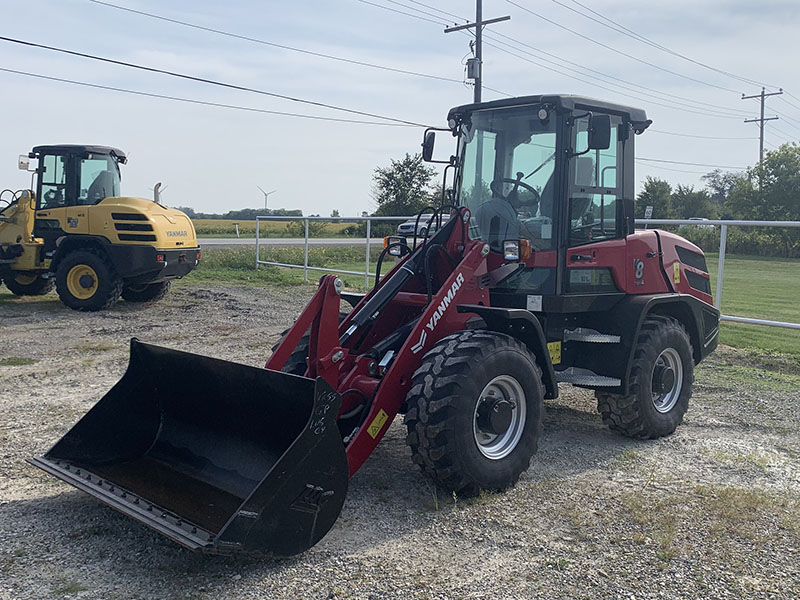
(182, 233)
(437, 315)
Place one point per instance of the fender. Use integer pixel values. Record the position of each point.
(523, 325)
(700, 319)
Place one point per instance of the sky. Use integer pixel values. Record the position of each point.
(213, 159)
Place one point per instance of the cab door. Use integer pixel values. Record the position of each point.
(52, 199)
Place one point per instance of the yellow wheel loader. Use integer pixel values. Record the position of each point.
(74, 230)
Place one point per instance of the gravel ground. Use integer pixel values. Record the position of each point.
(709, 512)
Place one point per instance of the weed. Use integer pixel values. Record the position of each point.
(67, 588)
(16, 361)
(95, 347)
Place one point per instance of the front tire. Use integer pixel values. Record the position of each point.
(26, 283)
(85, 280)
(660, 383)
(475, 411)
(146, 292)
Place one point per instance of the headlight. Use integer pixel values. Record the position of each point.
(511, 250)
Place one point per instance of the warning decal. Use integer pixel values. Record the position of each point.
(555, 352)
(377, 423)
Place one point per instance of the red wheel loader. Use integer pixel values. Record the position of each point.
(534, 276)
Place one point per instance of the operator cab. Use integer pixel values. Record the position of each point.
(543, 174)
(74, 175)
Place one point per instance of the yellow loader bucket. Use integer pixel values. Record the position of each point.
(219, 457)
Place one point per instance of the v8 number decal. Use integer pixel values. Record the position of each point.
(638, 271)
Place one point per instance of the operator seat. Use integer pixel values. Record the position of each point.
(102, 187)
(497, 219)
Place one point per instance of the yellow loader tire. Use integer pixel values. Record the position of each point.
(85, 280)
(26, 283)
(145, 292)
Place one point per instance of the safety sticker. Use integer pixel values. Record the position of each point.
(534, 303)
(676, 267)
(377, 423)
(555, 352)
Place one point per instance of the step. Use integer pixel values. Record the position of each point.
(578, 376)
(583, 334)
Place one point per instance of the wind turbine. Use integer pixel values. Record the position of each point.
(266, 195)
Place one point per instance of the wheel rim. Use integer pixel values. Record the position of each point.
(501, 391)
(24, 278)
(668, 360)
(82, 281)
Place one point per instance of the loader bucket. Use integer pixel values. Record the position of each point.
(219, 457)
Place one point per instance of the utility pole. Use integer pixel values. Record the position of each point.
(761, 120)
(475, 65)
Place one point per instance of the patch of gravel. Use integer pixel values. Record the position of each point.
(709, 512)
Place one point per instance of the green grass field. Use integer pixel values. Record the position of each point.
(766, 288)
(226, 228)
(760, 288)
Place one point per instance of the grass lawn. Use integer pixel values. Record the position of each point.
(760, 288)
(766, 288)
(226, 228)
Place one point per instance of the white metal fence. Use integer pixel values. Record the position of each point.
(722, 224)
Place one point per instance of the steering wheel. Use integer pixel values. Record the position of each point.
(52, 196)
(513, 196)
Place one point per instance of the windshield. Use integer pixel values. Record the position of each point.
(100, 178)
(507, 176)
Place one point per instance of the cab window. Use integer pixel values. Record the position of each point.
(53, 177)
(99, 179)
(594, 189)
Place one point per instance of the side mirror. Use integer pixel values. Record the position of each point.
(599, 132)
(24, 163)
(427, 146)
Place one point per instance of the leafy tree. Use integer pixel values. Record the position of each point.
(335, 213)
(686, 203)
(404, 187)
(719, 184)
(187, 210)
(658, 194)
(771, 192)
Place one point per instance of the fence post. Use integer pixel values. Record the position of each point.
(258, 231)
(723, 237)
(305, 258)
(366, 270)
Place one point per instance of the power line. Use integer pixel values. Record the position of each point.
(619, 28)
(718, 111)
(403, 13)
(613, 90)
(209, 81)
(732, 113)
(692, 164)
(606, 46)
(701, 137)
(273, 44)
(201, 102)
(676, 170)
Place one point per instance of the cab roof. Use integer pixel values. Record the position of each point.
(636, 116)
(79, 148)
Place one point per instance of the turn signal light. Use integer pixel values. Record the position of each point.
(394, 250)
(524, 249)
(160, 258)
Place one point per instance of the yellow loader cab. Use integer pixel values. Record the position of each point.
(76, 231)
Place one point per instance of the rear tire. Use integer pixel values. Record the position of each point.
(25, 283)
(475, 411)
(85, 280)
(146, 292)
(660, 383)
